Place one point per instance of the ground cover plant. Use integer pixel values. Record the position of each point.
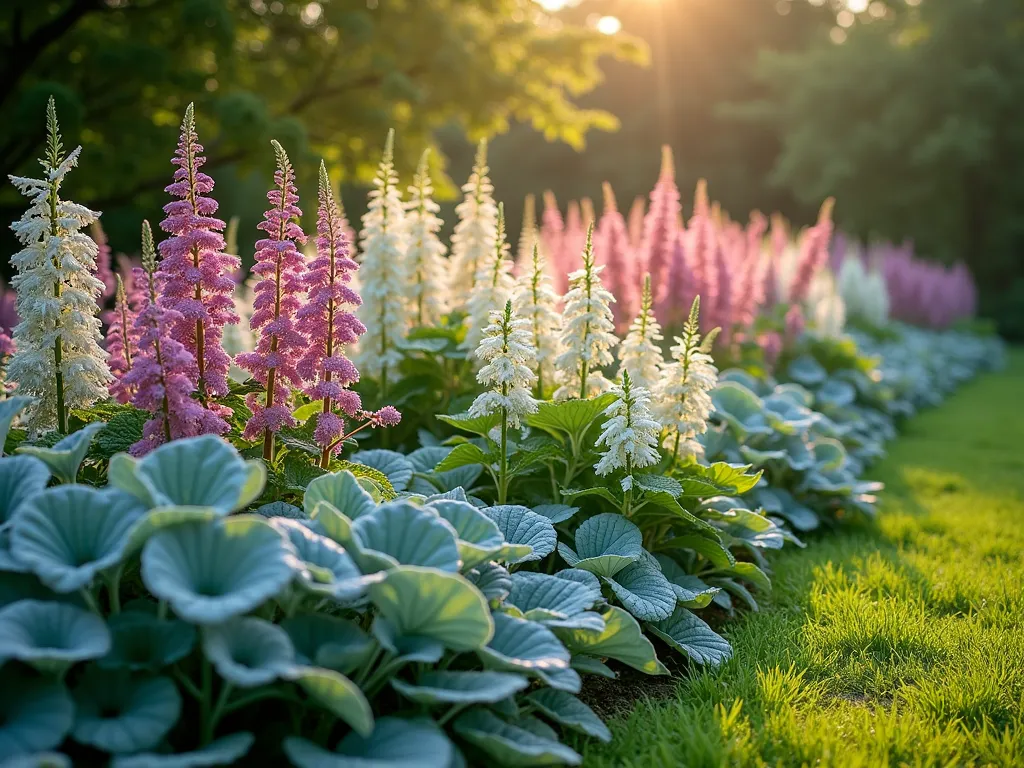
(410, 511)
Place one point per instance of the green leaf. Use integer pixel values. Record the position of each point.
(338, 695)
(569, 417)
(605, 544)
(591, 666)
(690, 591)
(9, 409)
(523, 646)
(477, 425)
(644, 591)
(394, 743)
(717, 480)
(510, 744)
(556, 513)
(688, 634)
(622, 640)
(401, 533)
(748, 572)
(529, 536)
(444, 687)
(303, 412)
(677, 512)
(391, 464)
(567, 710)
(479, 538)
(718, 555)
(599, 491)
(123, 430)
(659, 484)
(464, 455)
(66, 456)
(342, 491)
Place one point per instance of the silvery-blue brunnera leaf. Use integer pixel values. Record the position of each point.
(248, 652)
(323, 640)
(395, 466)
(35, 713)
(493, 580)
(510, 744)
(394, 743)
(528, 536)
(479, 538)
(51, 636)
(644, 591)
(622, 640)
(605, 544)
(117, 712)
(556, 513)
(225, 751)
(21, 478)
(688, 634)
(567, 710)
(532, 591)
(342, 491)
(807, 371)
(446, 687)
(401, 533)
(142, 641)
(66, 456)
(523, 646)
(321, 565)
(741, 409)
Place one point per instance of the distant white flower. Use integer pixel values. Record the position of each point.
(683, 402)
(864, 291)
(425, 264)
(492, 288)
(476, 230)
(58, 355)
(630, 435)
(826, 308)
(588, 331)
(384, 310)
(640, 353)
(507, 355)
(535, 300)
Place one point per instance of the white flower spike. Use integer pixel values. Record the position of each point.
(493, 287)
(508, 356)
(425, 264)
(640, 353)
(535, 300)
(476, 230)
(630, 435)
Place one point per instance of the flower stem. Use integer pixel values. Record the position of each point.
(206, 702)
(503, 465)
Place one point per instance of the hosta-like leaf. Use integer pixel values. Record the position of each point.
(567, 710)
(741, 409)
(795, 393)
(828, 454)
(210, 572)
(66, 456)
(141, 641)
(115, 712)
(226, 751)
(591, 666)
(51, 636)
(323, 640)
(194, 472)
(807, 371)
(523, 530)
(688, 634)
(510, 744)
(392, 464)
(622, 640)
(835, 393)
(400, 533)
(523, 646)
(690, 591)
(531, 591)
(798, 515)
(556, 513)
(21, 478)
(443, 687)
(479, 538)
(493, 580)
(605, 544)
(644, 591)
(569, 417)
(718, 555)
(280, 509)
(426, 458)
(68, 534)
(337, 694)
(394, 743)
(424, 602)
(249, 651)
(322, 566)
(342, 491)
(35, 713)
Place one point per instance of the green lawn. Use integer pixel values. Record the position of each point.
(900, 643)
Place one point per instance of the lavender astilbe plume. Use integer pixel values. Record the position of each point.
(613, 251)
(195, 275)
(163, 373)
(122, 342)
(923, 292)
(104, 273)
(329, 323)
(280, 266)
(661, 226)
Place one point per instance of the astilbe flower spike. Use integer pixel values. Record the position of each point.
(508, 358)
(587, 331)
(280, 266)
(552, 232)
(613, 251)
(702, 246)
(573, 239)
(535, 300)
(104, 273)
(329, 324)
(630, 435)
(492, 288)
(637, 211)
(640, 354)
(683, 399)
(661, 226)
(814, 253)
(122, 342)
(195, 275)
(384, 311)
(475, 231)
(425, 263)
(164, 371)
(528, 236)
(58, 360)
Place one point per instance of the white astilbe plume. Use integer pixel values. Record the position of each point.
(640, 353)
(58, 360)
(425, 265)
(476, 230)
(864, 290)
(630, 435)
(587, 331)
(826, 308)
(508, 357)
(528, 235)
(683, 402)
(384, 310)
(492, 288)
(535, 300)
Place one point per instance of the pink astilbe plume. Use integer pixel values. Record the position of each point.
(328, 322)
(778, 238)
(552, 231)
(573, 240)
(122, 340)
(661, 225)
(813, 253)
(682, 288)
(163, 371)
(636, 223)
(750, 285)
(280, 267)
(702, 247)
(195, 275)
(613, 251)
(103, 271)
(794, 325)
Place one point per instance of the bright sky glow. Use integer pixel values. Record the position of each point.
(608, 25)
(857, 6)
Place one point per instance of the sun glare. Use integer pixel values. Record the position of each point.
(608, 25)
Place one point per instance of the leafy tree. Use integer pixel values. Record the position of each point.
(913, 124)
(326, 78)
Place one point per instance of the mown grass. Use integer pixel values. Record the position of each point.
(894, 644)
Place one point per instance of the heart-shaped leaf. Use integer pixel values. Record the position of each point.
(479, 538)
(342, 491)
(523, 530)
(523, 646)
(115, 712)
(510, 744)
(492, 580)
(567, 710)
(51, 636)
(605, 544)
(644, 591)
(622, 640)
(561, 597)
(392, 464)
(569, 417)
(400, 533)
(688, 634)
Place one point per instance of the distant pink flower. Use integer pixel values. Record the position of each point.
(702, 247)
(328, 322)
(636, 223)
(771, 344)
(280, 267)
(163, 372)
(103, 270)
(682, 288)
(388, 416)
(661, 226)
(794, 325)
(750, 288)
(123, 337)
(6, 344)
(567, 259)
(613, 251)
(195, 276)
(778, 238)
(813, 253)
(552, 231)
